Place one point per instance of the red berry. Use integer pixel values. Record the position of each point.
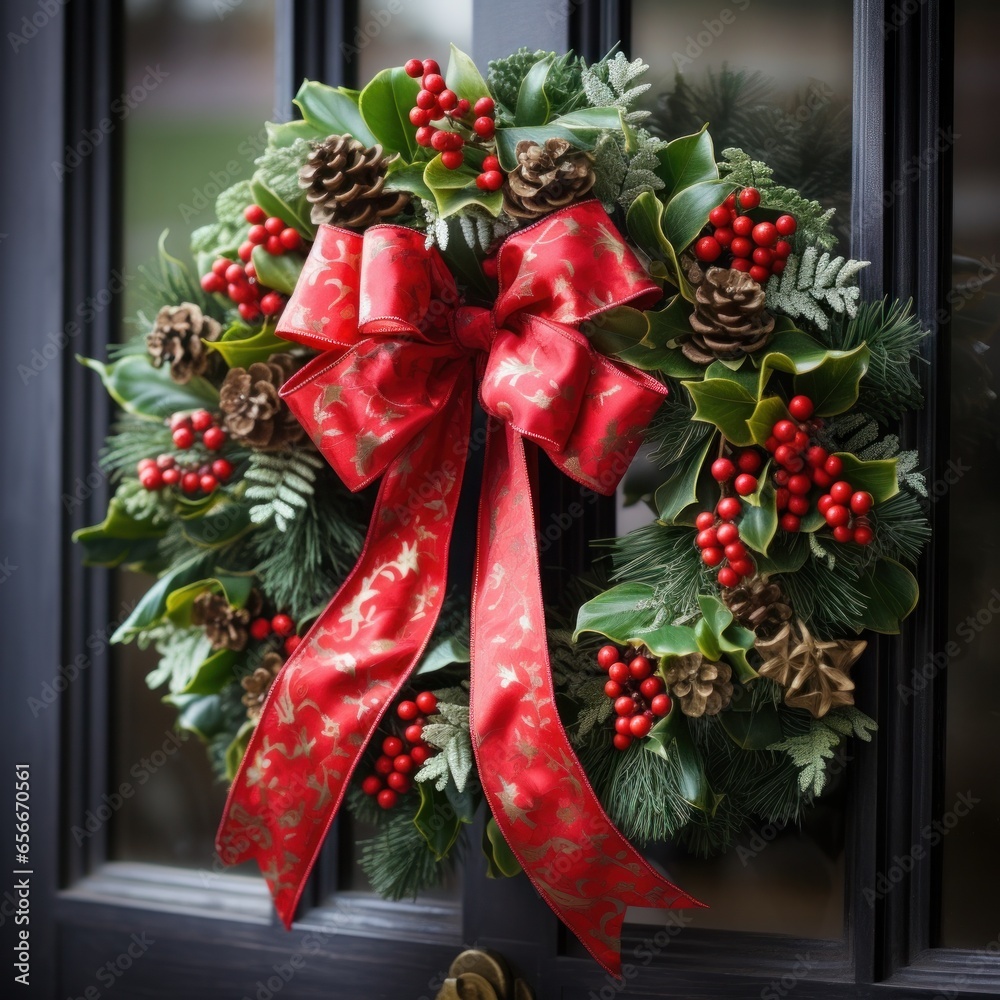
(728, 508)
(727, 577)
(863, 535)
(274, 225)
(290, 238)
(221, 266)
(621, 741)
(784, 430)
(162, 462)
(742, 225)
(212, 283)
(490, 163)
(420, 117)
(719, 216)
(789, 522)
(492, 180)
(403, 763)
(235, 274)
(623, 725)
(427, 702)
(712, 556)
(183, 438)
(742, 567)
(764, 234)
(190, 482)
(274, 246)
(452, 159)
(447, 99)
(824, 503)
(801, 407)
(798, 506)
(272, 303)
(786, 224)
(484, 127)
(640, 668)
(387, 798)
(651, 687)
(392, 745)
(254, 214)
(723, 470)
(441, 140)
(706, 539)
(740, 264)
(704, 520)
(861, 502)
(413, 733)
(151, 478)
(414, 68)
(727, 533)
(607, 655)
(640, 726)
(763, 257)
(833, 466)
(292, 643)
(256, 234)
(782, 250)
(785, 455)
(781, 477)
(735, 550)
(372, 785)
(816, 456)
(842, 533)
(431, 66)
(407, 710)
(821, 478)
(171, 476)
(745, 484)
(613, 689)
(782, 498)
(771, 444)
(484, 106)
(282, 624)
(749, 197)
(424, 135)
(201, 420)
(724, 236)
(660, 705)
(759, 274)
(398, 782)
(730, 202)
(741, 247)
(426, 101)
(624, 705)
(434, 82)
(799, 484)
(707, 249)
(618, 672)
(208, 483)
(214, 438)
(420, 755)
(461, 109)
(778, 266)
(836, 514)
(841, 492)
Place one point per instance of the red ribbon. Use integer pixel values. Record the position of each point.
(391, 396)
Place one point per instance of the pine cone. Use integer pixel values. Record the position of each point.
(700, 686)
(344, 182)
(546, 178)
(257, 684)
(815, 672)
(226, 627)
(178, 337)
(253, 412)
(759, 605)
(729, 318)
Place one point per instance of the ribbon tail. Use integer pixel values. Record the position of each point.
(582, 866)
(332, 692)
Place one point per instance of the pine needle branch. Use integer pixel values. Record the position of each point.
(281, 482)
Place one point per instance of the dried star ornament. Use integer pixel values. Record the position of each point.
(815, 672)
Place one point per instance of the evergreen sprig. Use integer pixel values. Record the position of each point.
(281, 482)
(397, 861)
(816, 286)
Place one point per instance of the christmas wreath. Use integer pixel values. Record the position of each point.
(528, 241)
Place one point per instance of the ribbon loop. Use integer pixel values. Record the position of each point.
(391, 396)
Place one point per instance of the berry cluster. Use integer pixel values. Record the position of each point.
(719, 540)
(238, 281)
(280, 625)
(756, 247)
(469, 123)
(804, 465)
(639, 695)
(394, 767)
(192, 475)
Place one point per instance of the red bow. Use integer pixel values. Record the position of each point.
(392, 397)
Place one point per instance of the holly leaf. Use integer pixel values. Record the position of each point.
(533, 106)
(680, 491)
(179, 602)
(450, 649)
(787, 553)
(385, 107)
(644, 223)
(686, 213)
(153, 605)
(759, 523)
(463, 76)
(213, 674)
(280, 272)
(437, 821)
(766, 414)
(725, 403)
(402, 176)
(455, 190)
(753, 730)
(670, 737)
(332, 111)
(727, 638)
(501, 860)
(888, 593)
(199, 714)
(581, 128)
(237, 749)
(666, 325)
(877, 478)
(687, 160)
(119, 538)
(282, 134)
(242, 345)
(833, 385)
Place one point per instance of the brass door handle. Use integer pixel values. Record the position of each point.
(482, 975)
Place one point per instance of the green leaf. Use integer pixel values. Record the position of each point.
(725, 403)
(455, 190)
(707, 642)
(450, 649)
(766, 414)
(889, 592)
(213, 674)
(385, 106)
(501, 860)
(437, 821)
(578, 127)
(294, 214)
(463, 76)
(759, 523)
(787, 553)
(144, 391)
(671, 737)
(666, 325)
(726, 637)
(179, 602)
(532, 102)
(241, 345)
(282, 134)
(153, 604)
(237, 749)
(754, 730)
(402, 176)
(198, 714)
(644, 224)
(280, 272)
(833, 385)
(119, 538)
(686, 214)
(681, 489)
(688, 160)
(332, 110)
(662, 359)
(877, 478)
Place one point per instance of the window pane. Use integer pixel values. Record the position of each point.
(189, 135)
(969, 869)
(773, 77)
